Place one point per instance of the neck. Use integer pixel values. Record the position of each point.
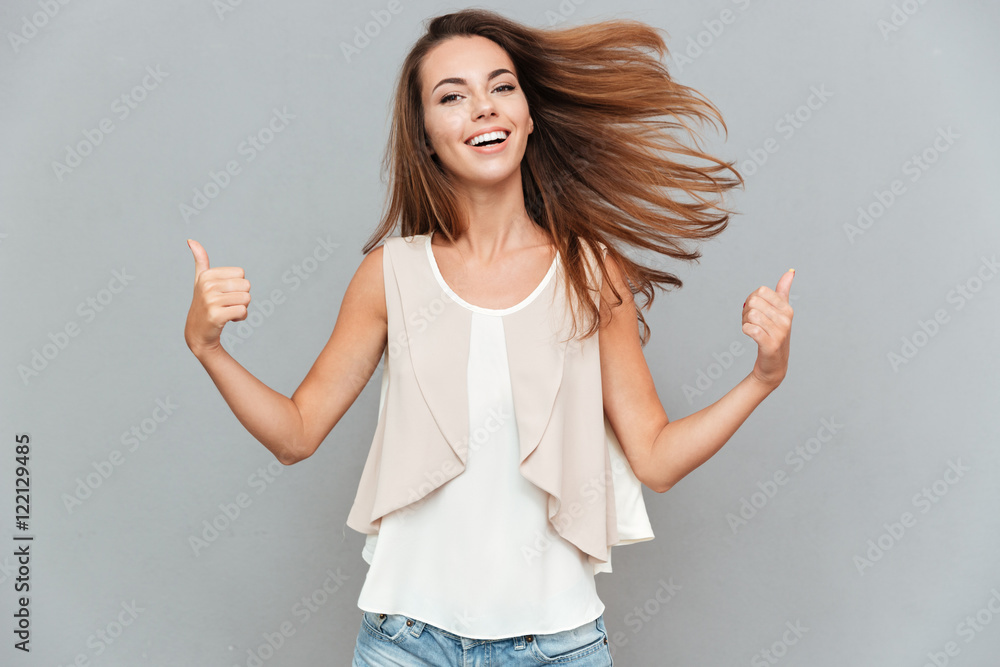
(498, 222)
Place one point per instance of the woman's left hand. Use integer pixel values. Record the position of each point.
(767, 318)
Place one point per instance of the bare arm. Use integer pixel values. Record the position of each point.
(291, 428)
(684, 444)
(662, 452)
(350, 357)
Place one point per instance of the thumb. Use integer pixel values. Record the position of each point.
(784, 283)
(200, 256)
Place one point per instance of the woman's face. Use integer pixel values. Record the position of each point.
(468, 85)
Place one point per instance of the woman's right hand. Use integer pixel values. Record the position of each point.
(221, 295)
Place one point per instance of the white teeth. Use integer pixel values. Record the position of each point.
(475, 141)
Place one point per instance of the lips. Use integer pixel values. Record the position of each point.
(489, 149)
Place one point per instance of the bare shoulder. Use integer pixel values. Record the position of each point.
(615, 277)
(367, 287)
(346, 363)
(630, 400)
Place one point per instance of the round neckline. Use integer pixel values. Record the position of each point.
(479, 309)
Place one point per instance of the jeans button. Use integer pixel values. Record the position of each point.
(409, 621)
(528, 638)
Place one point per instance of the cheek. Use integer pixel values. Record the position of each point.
(444, 129)
(521, 115)
(433, 136)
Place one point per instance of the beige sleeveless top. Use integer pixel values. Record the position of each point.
(567, 446)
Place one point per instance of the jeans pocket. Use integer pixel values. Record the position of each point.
(578, 643)
(387, 627)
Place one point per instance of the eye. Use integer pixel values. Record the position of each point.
(502, 86)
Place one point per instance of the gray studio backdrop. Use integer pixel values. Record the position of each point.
(850, 521)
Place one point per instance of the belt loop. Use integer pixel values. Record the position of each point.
(417, 628)
(519, 643)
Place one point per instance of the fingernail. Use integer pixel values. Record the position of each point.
(792, 270)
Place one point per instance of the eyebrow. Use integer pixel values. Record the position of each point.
(462, 82)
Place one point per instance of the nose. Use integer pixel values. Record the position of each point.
(483, 106)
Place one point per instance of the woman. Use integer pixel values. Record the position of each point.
(518, 157)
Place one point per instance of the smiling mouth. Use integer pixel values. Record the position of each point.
(491, 142)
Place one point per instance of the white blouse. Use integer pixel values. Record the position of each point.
(478, 557)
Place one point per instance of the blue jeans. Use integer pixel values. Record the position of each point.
(394, 640)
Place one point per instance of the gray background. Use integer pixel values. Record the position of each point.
(897, 428)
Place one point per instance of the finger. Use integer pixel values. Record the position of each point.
(775, 299)
(236, 313)
(223, 272)
(768, 304)
(757, 333)
(200, 257)
(785, 284)
(227, 299)
(762, 322)
(228, 284)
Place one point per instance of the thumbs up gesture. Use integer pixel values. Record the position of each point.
(221, 295)
(767, 318)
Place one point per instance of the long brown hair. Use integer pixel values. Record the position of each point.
(601, 164)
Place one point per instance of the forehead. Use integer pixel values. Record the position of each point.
(467, 56)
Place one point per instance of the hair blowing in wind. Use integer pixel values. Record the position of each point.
(604, 163)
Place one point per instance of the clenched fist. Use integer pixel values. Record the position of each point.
(221, 295)
(767, 318)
